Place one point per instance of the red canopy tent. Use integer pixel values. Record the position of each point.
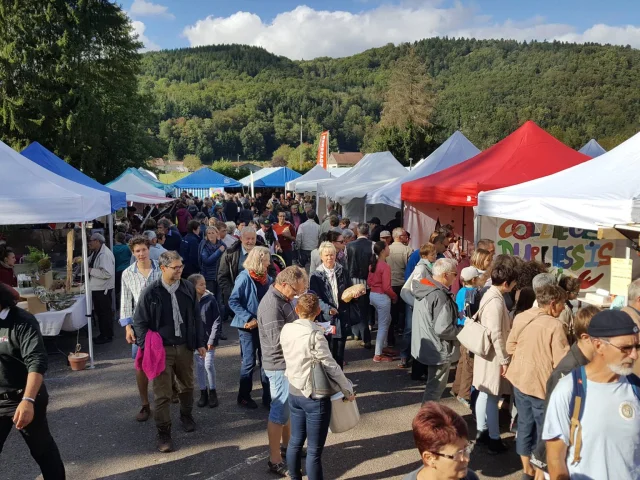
(526, 154)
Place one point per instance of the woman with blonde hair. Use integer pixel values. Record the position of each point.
(482, 260)
(249, 288)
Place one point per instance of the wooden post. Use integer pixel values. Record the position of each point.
(70, 242)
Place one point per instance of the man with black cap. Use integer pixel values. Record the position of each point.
(592, 424)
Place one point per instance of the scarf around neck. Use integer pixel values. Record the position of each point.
(261, 279)
(333, 281)
(177, 318)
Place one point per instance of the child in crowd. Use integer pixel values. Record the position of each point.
(472, 280)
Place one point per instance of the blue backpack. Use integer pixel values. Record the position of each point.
(576, 407)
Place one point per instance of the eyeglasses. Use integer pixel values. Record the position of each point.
(177, 268)
(627, 349)
(459, 455)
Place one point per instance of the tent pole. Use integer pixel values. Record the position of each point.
(111, 235)
(87, 292)
(365, 212)
(462, 243)
(476, 227)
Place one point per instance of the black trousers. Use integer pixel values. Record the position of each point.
(103, 312)
(360, 318)
(38, 437)
(397, 316)
(337, 349)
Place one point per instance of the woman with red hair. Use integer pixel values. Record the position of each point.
(442, 438)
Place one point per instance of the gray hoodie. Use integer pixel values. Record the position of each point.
(433, 336)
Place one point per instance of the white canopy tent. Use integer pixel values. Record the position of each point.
(456, 149)
(593, 149)
(312, 185)
(134, 185)
(372, 172)
(31, 194)
(602, 191)
(316, 173)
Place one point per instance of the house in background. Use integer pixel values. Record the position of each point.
(345, 159)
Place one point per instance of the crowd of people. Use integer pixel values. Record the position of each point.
(298, 287)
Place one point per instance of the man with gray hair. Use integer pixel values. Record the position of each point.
(102, 278)
(434, 332)
(274, 312)
(633, 301)
(231, 263)
(169, 308)
(398, 258)
(542, 280)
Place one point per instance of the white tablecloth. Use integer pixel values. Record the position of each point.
(69, 320)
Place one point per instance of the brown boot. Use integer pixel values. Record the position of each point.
(144, 413)
(164, 443)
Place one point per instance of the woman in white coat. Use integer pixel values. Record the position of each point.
(488, 372)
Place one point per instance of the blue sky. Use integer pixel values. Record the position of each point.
(343, 27)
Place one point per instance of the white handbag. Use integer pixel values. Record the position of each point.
(474, 336)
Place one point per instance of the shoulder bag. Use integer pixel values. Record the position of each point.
(474, 336)
(321, 385)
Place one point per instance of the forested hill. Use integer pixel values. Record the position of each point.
(223, 101)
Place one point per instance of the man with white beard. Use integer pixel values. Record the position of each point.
(592, 424)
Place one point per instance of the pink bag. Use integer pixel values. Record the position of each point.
(152, 358)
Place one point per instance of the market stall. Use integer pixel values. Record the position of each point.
(270, 177)
(593, 149)
(131, 181)
(302, 185)
(204, 183)
(456, 149)
(372, 172)
(450, 195)
(32, 194)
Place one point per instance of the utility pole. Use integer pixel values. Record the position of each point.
(410, 164)
(300, 142)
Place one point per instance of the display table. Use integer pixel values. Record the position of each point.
(69, 319)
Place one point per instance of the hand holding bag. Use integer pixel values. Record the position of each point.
(321, 385)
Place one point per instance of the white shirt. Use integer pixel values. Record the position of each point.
(610, 429)
(133, 282)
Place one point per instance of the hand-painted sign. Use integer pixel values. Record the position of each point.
(576, 251)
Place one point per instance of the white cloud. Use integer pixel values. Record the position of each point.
(142, 8)
(308, 33)
(138, 29)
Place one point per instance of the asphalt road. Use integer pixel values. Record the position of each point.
(91, 415)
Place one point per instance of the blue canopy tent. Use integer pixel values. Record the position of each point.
(201, 181)
(592, 148)
(274, 177)
(47, 159)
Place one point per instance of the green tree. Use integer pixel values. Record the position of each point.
(192, 162)
(68, 79)
(253, 145)
(283, 151)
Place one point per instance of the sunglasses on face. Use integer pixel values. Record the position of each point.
(626, 349)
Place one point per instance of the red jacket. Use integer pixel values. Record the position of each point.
(8, 277)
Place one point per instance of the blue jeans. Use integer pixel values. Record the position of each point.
(309, 420)
(279, 390)
(251, 351)
(382, 303)
(406, 350)
(205, 370)
(487, 414)
(530, 421)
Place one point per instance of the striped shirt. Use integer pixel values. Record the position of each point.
(133, 282)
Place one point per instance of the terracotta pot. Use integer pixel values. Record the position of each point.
(78, 361)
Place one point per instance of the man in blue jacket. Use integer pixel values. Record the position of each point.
(189, 249)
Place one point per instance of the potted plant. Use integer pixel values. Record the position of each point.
(78, 359)
(42, 266)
